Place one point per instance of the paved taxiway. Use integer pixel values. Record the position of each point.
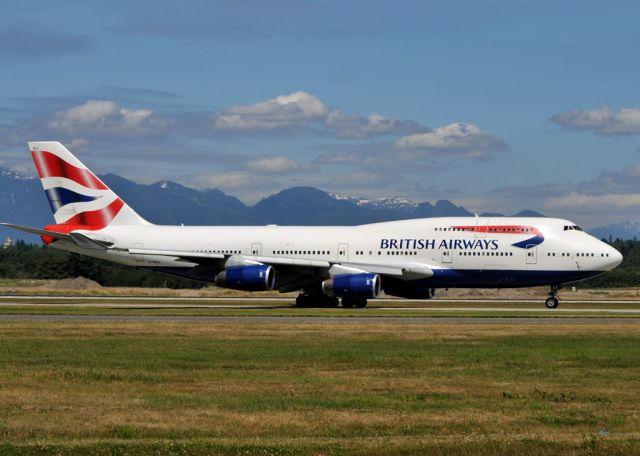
(491, 315)
(303, 319)
(289, 300)
(540, 309)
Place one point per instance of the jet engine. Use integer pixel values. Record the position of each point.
(254, 277)
(363, 285)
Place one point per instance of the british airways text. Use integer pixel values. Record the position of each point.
(421, 244)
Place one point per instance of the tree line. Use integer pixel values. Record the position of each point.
(30, 261)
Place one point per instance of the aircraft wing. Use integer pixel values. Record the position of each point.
(181, 255)
(407, 271)
(308, 267)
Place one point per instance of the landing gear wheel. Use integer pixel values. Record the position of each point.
(354, 302)
(551, 302)
(303, 300)
(331, 301)
(361, 302)
(315, 300)
(347, 303)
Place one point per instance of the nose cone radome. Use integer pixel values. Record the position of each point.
(615, 257)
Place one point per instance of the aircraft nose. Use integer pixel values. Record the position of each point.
(616, 258)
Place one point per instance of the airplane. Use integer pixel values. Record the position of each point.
(328, 265)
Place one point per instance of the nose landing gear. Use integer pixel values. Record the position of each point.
(552, 301)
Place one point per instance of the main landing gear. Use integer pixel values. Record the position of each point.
(316, 300)
(552, 301)
(354, 302)
(322, 300)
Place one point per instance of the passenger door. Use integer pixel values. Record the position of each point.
(447, 257)
(532, 254)
(256, 249)
(343, 252)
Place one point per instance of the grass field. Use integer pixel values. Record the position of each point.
(318, 388)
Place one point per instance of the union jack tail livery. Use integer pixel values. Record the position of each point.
(78, 199)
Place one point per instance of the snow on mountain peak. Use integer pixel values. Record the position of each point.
(392, 202)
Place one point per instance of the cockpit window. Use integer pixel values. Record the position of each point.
(572, 227)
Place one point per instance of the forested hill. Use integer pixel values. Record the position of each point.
(26, 261)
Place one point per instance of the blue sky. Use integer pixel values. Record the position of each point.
(495, 105)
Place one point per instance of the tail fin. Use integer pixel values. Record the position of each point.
(77, 197)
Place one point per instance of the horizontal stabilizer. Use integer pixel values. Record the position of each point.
(79, 239)
(38, 231)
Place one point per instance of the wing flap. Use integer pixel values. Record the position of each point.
(182, 254)
(408, 271)
(275, 261)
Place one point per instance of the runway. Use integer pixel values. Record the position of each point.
(285, 299)
(437, 311)
(135, 305)
(310, 320)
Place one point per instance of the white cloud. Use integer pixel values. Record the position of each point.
(107, 117)
(286, 111)
(356, 126)
(229, 180)
(275, 165)
(461, 139)
(574, 201)
(302, 110)
(79, 145)
(601, 120)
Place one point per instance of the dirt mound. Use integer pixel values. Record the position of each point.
(78, 283)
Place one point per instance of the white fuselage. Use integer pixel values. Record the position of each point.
(484, 252)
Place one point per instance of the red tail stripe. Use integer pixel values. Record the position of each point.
(50, 165)
(97, 219)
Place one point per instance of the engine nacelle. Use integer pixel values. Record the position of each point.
(353, 285)
(257, 277)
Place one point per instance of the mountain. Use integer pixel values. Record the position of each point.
(23, 202)
(528, 213)
(310, 206)
(393, 202)
(625, 230)
(170, 203)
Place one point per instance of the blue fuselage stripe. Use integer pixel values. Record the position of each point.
(490, 278)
